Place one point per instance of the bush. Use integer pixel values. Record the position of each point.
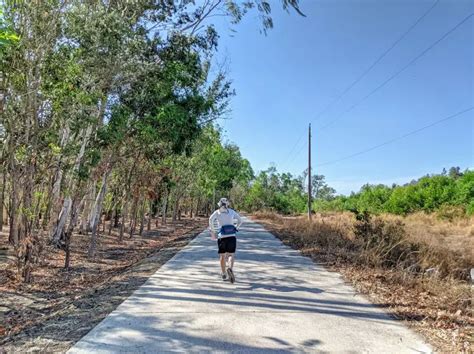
(287, 195)
(384, 242)
(451, 212)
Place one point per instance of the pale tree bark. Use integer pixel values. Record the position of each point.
(96, 213)
(57, 234)
(54, 203)
(87, 134)
(125, 198)
(2, 197)
(86, 210)
(91, 215)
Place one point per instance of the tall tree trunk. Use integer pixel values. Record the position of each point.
(124, 219)
(86, 211)
(28, 222)
(176, 208)
(56, 185)
(150, 216)
(13, 232)
(164, 209)
(125, 198)
(58, 229)
(116, 217)
(142, 221)
(112, 220)
(68, 233)
(96, 214)
(53, 206)
(2, 197)
(198, 202)
(58, 232)
(49, 205)
(133, 217)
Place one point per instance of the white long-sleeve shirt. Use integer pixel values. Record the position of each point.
(224, 216)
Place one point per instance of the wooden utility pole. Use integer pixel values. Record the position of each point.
(309, 172)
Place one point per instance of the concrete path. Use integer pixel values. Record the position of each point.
(281, 302)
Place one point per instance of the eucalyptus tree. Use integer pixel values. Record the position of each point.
(7, 38)
(98, 90)
(25, 117)
(213, 169)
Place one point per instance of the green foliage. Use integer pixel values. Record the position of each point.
(450, 194)
(464, 190)
(273, 191)
(429, 194)
(7, 35)
(373, 198)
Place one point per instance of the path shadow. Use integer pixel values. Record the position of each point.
(151, 334)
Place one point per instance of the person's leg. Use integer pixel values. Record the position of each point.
(222, 260)
(231, 249)
(221, 251)
(230, 262)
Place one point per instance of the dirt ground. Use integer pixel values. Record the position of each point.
(60, 307)
(416, 302)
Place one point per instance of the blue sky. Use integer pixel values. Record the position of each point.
(283, 80)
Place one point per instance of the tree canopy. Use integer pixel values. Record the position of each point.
(108, 110)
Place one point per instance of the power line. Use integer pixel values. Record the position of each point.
(411, 62)
(360, 77)
(285, 161)
(388, 50)
(398, 138)
(298, 153)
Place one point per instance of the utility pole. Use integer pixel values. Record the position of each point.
(309, 172)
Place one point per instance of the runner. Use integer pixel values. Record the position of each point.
(224, 218)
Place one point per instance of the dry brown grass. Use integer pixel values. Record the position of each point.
(455, 235)
(421, 241)
(59, 298)
(417, 265)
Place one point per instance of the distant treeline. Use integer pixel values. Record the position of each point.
(449, 192)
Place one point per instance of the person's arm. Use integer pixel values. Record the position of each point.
(212, 219)
(238, 218)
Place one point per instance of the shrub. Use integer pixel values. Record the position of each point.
(451, 212)
(384, 242)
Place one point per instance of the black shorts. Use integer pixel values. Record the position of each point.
(227, 244)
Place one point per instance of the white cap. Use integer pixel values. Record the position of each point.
(223, 202)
